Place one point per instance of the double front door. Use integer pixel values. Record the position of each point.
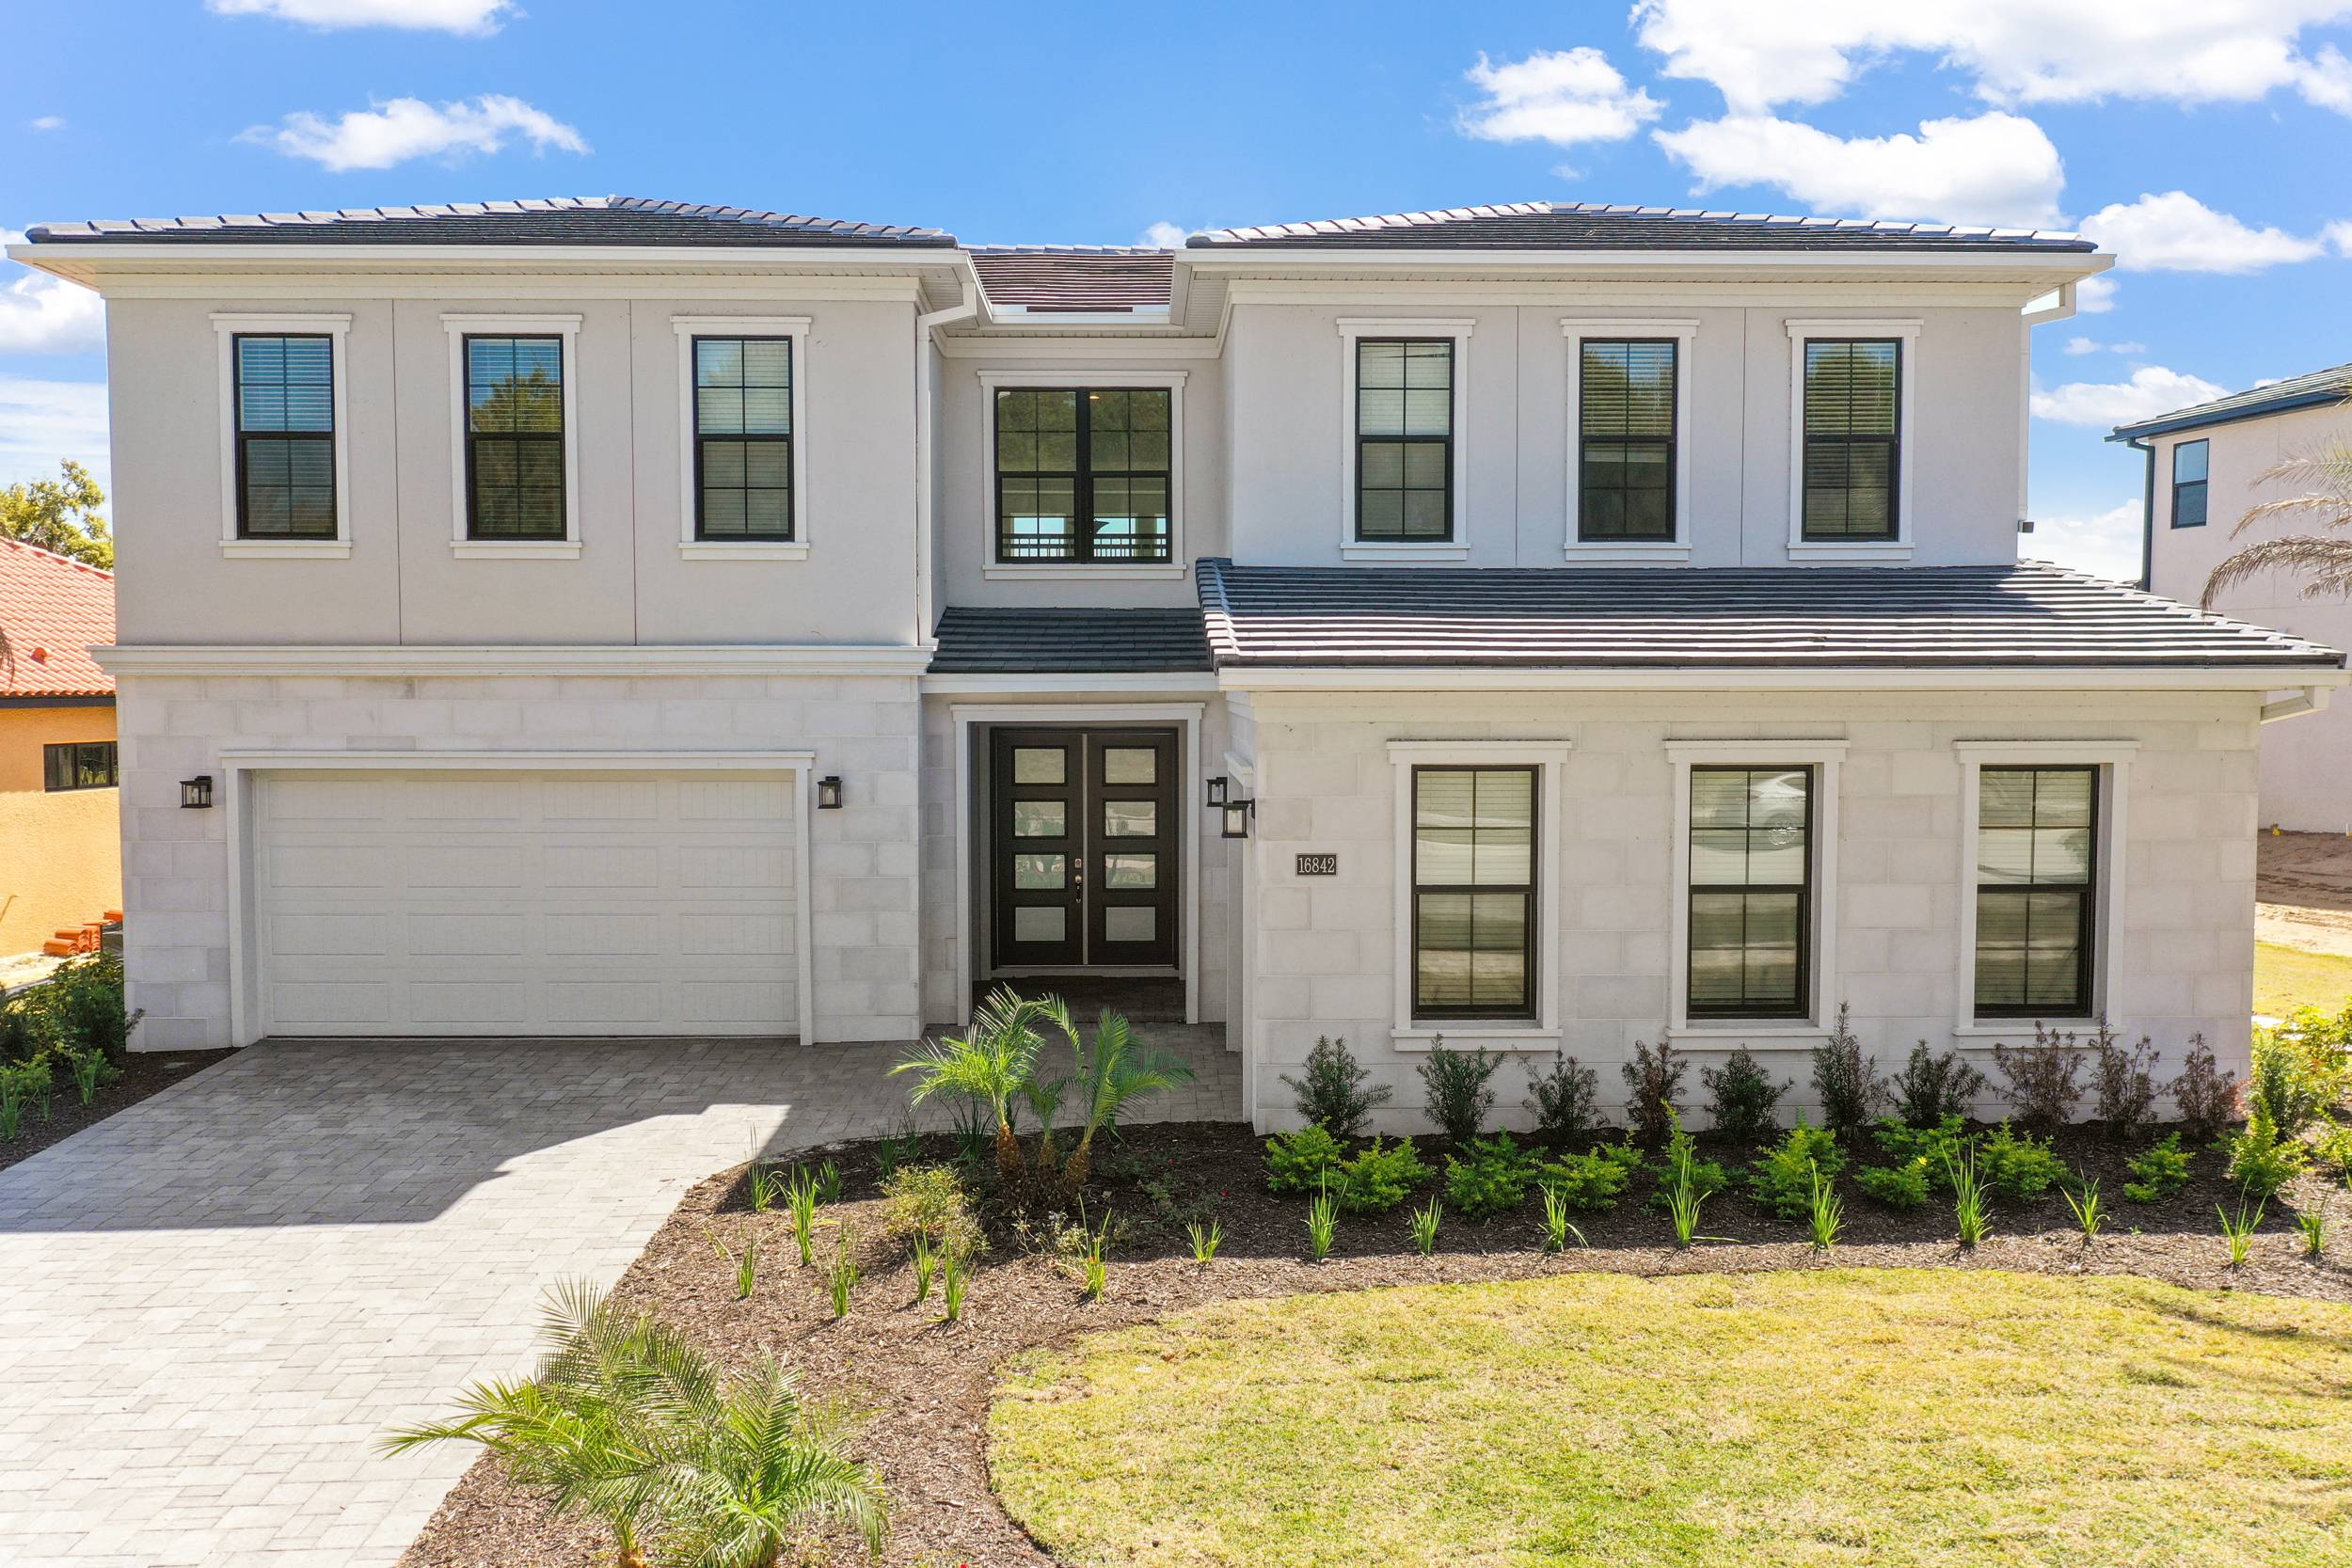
(1083, 847)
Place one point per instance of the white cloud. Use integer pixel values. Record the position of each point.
(443, 16)
(2095, 296)
(1996, 168)
(1562, 97)
(1167, 236)
(2176, 232)
(43, 422)
(2106, 544)
(40, 314)
(2339, 238)
(48, 122)
(2104, 405)
(407, 127)
(2083, 345)
(2012, 50)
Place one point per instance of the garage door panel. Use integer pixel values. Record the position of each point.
(442, 936)
(604, 934)
(734, 800)
(464, 802)
(331, 1003)
(454, 1001)
(732, 1002)
(327, 866)
(618, 1002)
(330, 935)
(738, 935)
(601, 801)
(586, 864)
(441, 866)
(734, 866)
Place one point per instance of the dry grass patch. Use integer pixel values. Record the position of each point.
(1887, 1417)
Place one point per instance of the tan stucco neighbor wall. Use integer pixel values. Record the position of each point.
(61, 854)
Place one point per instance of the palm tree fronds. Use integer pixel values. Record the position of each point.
(2328, 561)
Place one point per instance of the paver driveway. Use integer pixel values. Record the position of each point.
(213, 1305)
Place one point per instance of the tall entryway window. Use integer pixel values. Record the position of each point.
(1082, 847)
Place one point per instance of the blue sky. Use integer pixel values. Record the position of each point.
(2204, 141)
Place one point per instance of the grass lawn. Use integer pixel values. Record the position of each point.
(2286, 978)
(1883, 1417)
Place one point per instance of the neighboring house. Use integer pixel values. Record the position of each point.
(2205, 472)
(60, 812)
(614, 617)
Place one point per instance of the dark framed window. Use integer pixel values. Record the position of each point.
(1404, 440)
(1626, 429)
(285, 401)
(1852, 438)
(79, 764)
(1751, 912)
(743, 438)
(515, 438)
(2037, 900)
(1474, 892)
(2190, 460)
(1083, 473)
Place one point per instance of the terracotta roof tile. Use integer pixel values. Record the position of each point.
(53, 612)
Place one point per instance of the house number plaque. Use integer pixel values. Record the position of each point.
(1318, 865)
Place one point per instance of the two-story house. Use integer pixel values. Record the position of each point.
(1542, 626)
(2207, 466)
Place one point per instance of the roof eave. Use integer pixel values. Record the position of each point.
(2071, 263)
(2171, 423)
(2040, 675)
(86, 263)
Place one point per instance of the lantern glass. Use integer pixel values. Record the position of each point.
(829, 794)
(196, 793)
(1216, 791)
(1237, 818)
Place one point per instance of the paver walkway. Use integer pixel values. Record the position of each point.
(214, 1304)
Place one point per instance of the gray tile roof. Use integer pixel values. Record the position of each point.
(1074, 277)
(1028, 642)
(624, 220)
(1598, 226)
(2333, 384)
(1665, 618)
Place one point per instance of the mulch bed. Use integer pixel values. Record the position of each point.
(144, 1072)
(928, 1386)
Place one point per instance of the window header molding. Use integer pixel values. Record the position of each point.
(463, 325)
(688, 328)
(228, 325)
(1352, 330)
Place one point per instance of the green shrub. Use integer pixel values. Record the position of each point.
(929, 1202)
(2261, 1161)
(1494, 1178)
(24, 1086)
(1938, 1144)
(2295, 1074)
(1782, 1180)
(1653, 1109)
(1680, 1165)
(1297, 1162)
(1455, 1088)
(80, 1007)
(1593, 1183)
(1378, 1179)
(1563, 1098)
(1741, 1097)
(1903, 1186)
(1842, 1075)
(2158, 1171)
(2019, 1165)
(1333, 1092)
(20, 1039)
(2334, 1146)
(1930, 1088)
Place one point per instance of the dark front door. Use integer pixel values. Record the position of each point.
(1083, 847)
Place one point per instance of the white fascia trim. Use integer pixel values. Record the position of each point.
(460, 326)
(1684, 331)
(1906, 330)
(1823, 758)
(1827, 677)
(1177, 683)
(1252, 257)
(531, 762)
(2113, 759)
(795, 330)
(1457, 329)
(228, 325)
(485, 660)
(1549, 759)
(1085, 375)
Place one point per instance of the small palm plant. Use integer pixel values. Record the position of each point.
(2238, 1229)
(2082, 1201)
(1116, 1069)
(988, 1066)
(1423, 1225)
(2327, 561)
(1826, 1211)
(1971, 1208)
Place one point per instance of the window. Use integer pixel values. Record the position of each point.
(2188, 483)
(743, 438)
(1852, 438)
(515, 463)
(1404, 440)
(1751, 892)
(1626, 463)
(1084, 475)
(2037, 853)
(1474, 892)
(79, 764)
(285, 411)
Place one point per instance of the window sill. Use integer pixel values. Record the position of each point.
(285, 549)
(515, 549)
(1495, 1034)
(1823, 549)
(748, 549)
(2021, 1029)
(1582, 549)
(1362, 550)
(1107, 571)
(1772, 1032)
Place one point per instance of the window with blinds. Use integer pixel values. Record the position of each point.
(743, 438)
(285, 399)
(1404, 440)
(1083, 473)
(1751, 914)
(2190, 460)
(514, 437)
(1474, 892)
(1626, 460)
(2037, 867)
(1852, 438)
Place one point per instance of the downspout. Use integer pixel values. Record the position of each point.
(2146, 514)
(926, 438)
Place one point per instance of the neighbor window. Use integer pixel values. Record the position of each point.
(743, 438)
(79, 764)
(1626, 466)
(1404, 440)
(285, 403)
(1852, 438)
(2037, 863)
(1083, 473)
(1474, 892)
(1751, 912)
(514, 437)
(2188, 483)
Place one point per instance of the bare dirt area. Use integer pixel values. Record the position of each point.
(144, 1072)
(2303, 892)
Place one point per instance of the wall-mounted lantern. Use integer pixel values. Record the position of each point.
(196, 793)
(1237, 815)
(829, 793)
(1216, 791)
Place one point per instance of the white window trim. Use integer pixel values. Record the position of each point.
(460, 327)
(1177, 565)
(1823, 758)
(2113, 759)
(1457, 329)
(1576, 330)
(1549, 759)
(1906, 330)
(795, 328)
(229, 325)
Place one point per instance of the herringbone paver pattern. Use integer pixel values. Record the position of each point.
(213, 1305)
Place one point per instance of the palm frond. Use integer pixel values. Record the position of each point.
(2327, 561)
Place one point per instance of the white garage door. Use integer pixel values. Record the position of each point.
(501, 903)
